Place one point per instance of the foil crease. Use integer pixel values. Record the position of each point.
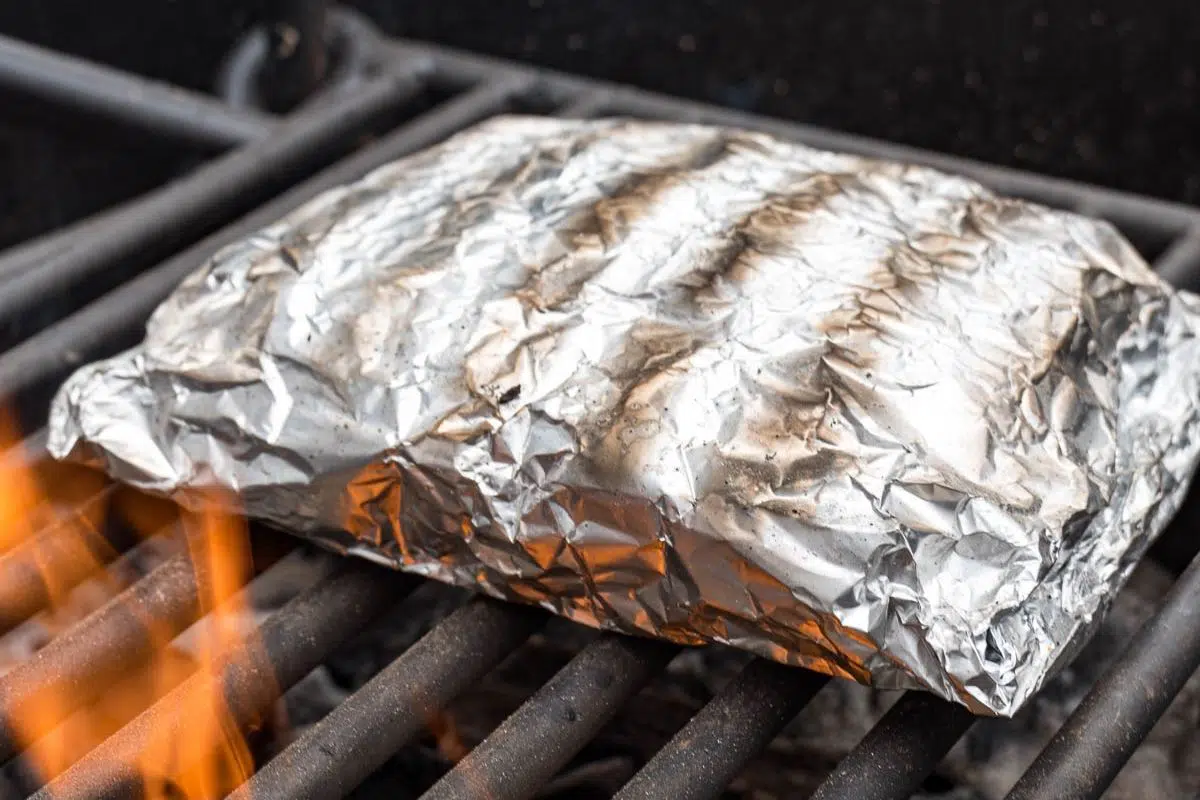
(691, 382)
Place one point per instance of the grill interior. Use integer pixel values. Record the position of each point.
(85, 291)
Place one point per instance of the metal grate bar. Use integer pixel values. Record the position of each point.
(214, 194)
(588, 104)
(70, 550)
(79, 664)
(31, 450)
(541, 736)
(899, 753)
(738, 724)
(90, 332)
(1089, 750)
(291, 643)
(1179, 265)
(33, 253)
(159, 108)
(1133, 211)
(357, 737)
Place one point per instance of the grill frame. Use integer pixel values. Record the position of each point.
(264, 154)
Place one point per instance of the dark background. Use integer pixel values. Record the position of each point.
(1099, 91)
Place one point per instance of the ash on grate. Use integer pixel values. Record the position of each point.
(984, 765)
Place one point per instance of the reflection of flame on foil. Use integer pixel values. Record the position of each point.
(213, 757)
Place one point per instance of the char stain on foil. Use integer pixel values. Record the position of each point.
(688, 382)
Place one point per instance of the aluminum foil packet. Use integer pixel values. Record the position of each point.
(691, 382)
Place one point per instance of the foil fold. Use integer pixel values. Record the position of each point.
(690, 382)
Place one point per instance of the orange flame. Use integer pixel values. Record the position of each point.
(58, 727)
(446, 736)
(214, 758)
(19, 495)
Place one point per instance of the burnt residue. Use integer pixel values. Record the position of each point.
(759, 231)
(603, 225)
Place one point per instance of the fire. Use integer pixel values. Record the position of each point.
(56, 728)
(447, 737)
(19, 496)
(214, 758)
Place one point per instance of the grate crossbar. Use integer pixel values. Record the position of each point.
(738, 724)
(899, 752)
(357, 737)
(232, 184)
(557, 722)
(118, 315)
(290, 644)
(160, 109)
(1089, 750)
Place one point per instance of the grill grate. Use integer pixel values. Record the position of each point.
(105, 269)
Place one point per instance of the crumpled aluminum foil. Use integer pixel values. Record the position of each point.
(693, 382)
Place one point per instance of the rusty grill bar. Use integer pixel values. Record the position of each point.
(420, 94)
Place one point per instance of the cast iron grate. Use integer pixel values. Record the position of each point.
(106, 274)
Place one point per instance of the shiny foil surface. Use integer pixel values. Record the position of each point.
(690, 382)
